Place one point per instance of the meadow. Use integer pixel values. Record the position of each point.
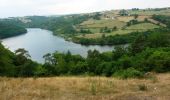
(153, 87)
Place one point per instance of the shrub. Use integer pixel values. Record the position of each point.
(129, 73)
(159, 61)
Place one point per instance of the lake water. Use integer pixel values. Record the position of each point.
(40, 42)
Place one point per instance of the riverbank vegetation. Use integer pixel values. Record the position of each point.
(148, 52)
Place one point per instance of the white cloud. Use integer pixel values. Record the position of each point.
(54, 7)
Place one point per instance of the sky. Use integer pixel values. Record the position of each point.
(14, 8)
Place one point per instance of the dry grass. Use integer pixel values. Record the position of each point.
(128, 18)
(85, 88)
(125, 18)
(143, 17)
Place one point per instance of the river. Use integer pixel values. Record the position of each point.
(40, 42)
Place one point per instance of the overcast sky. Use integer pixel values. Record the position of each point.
(11, 8)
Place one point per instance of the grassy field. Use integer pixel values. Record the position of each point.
(151, 12)
(128, 18)
(156, 87)
(143, 26)
(95, 25)
(110, 23)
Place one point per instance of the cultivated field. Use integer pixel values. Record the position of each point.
(120, 22)
(110, 23)
(128, 18)
(154, 87)
(143, 26)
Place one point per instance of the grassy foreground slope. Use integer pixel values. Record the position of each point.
(155, 87)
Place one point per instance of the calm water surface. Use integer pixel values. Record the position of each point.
(40, 42)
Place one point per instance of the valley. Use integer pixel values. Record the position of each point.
(108, 55)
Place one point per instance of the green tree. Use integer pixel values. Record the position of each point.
(49, 59)
(139, 44)
(123, 12)
(118, 52)
(22, 56)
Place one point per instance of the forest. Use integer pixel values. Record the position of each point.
(7, 29)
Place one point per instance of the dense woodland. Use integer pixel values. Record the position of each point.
(7, 29)
(147, 52)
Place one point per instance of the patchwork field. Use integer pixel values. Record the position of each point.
(110, 19)
(156, 87)
(138, 27)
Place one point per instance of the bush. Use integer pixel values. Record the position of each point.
(129, 73)
(159, 61)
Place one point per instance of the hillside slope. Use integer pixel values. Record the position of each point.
(9, 30)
